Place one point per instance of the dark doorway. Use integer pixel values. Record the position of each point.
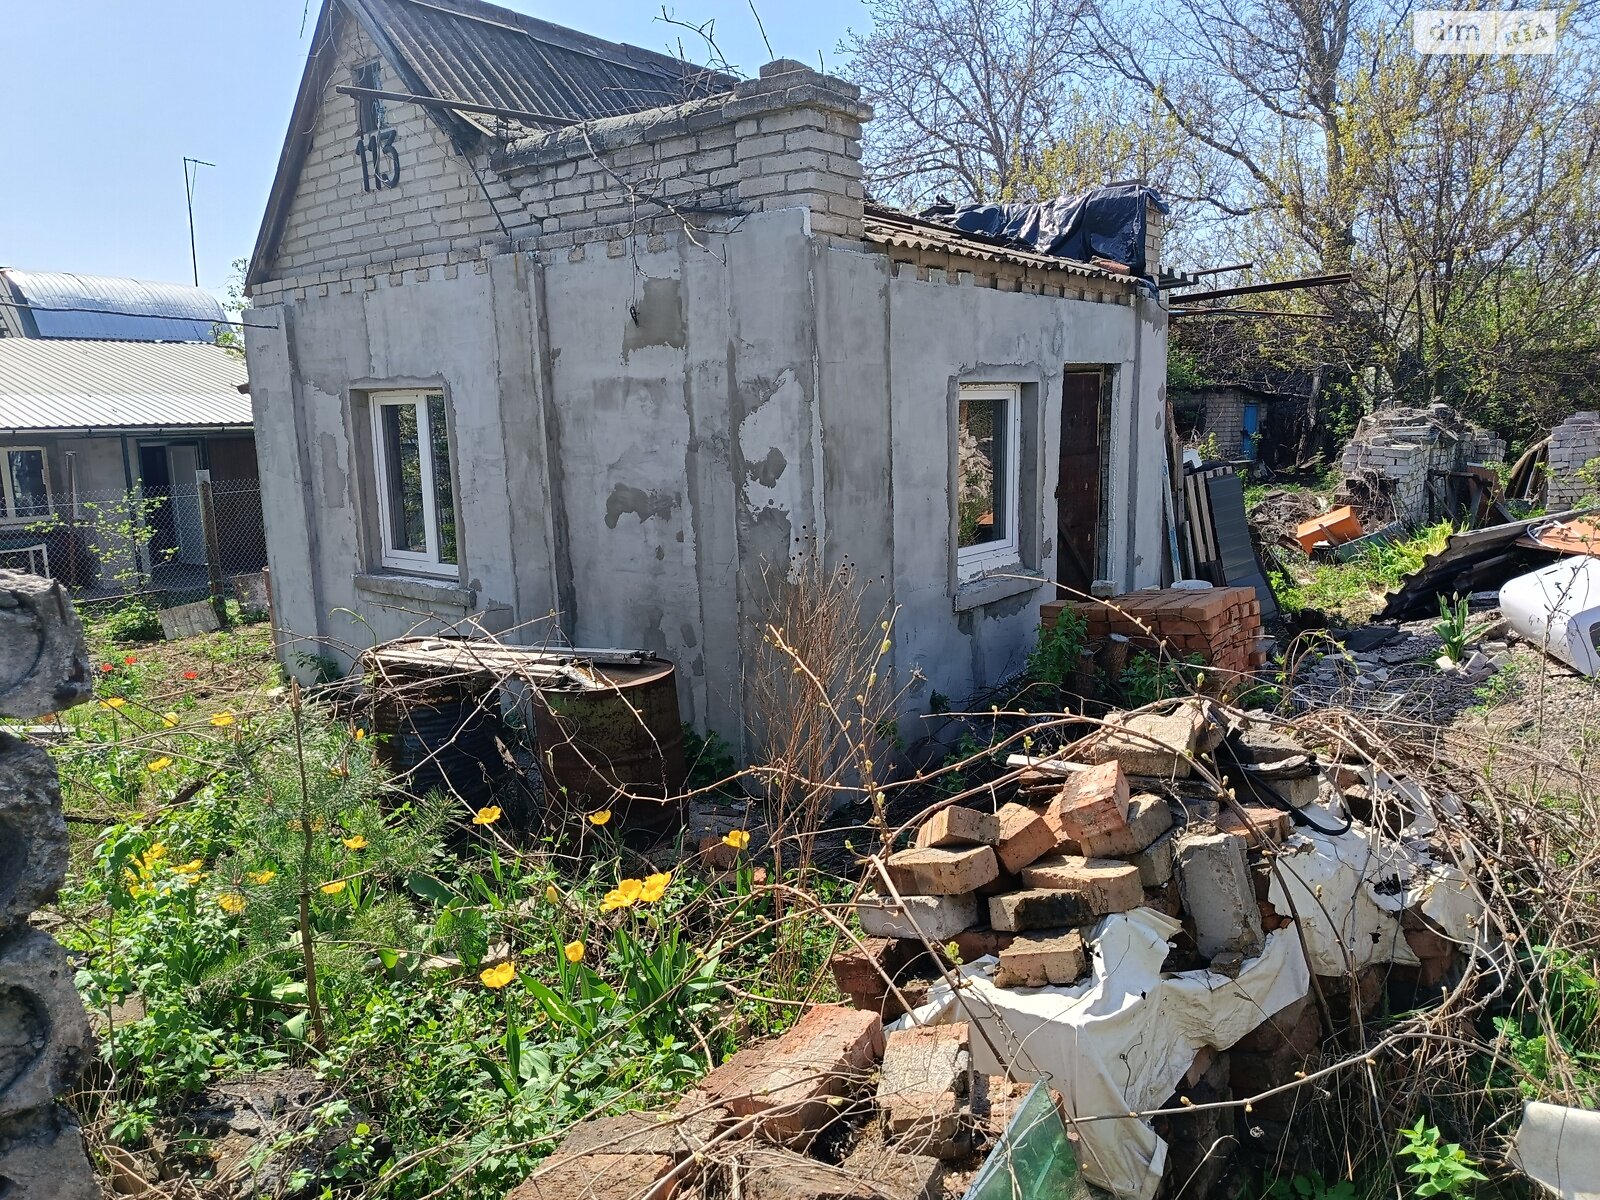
(1083, 412)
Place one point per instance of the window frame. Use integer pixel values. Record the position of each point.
(426, 562)
(8, 487)
(974, 561)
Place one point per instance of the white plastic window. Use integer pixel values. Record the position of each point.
(988, 449)
(416, 496)
(24, 484)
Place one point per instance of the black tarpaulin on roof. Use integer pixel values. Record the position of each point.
(1108, 222)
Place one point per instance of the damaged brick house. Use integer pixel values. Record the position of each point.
(546, 324)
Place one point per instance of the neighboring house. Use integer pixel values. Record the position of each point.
(1248, 422)
(608, 336)
(57, 304)
(86, 424)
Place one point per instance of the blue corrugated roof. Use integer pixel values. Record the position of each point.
(55, 304)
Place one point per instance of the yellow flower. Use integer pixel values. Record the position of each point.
(600, 818)
(551, 895)
(266, 876)
(156, 853)
(486, 816)
(573, 951)
(158, 764)
(654, 887)
(169, 719)
(739, 839)
(191, 867)
(498, 977)
(360, 734)
(231, 902)
(332, 889)
(624, 895)
(355, 843)
(222, 718)
(339, 771)
(114, 702)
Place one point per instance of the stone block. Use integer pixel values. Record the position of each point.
(1094, 801)
(973, 944)
(1154, 862)
(33, 833)
(923, 1088)
(1040, 908)
(942, 872)
(45, 1043)
(1024, 836)
(674, 1135)
(1156, 744)
(1219, 893)
(938, 918)
(866, 968)
(788, 1084)
(44, 665)
(772, 1173)
(1034, 960)
(895, 1174)
(1149, 816)
(956, 826)
(1108, 885)
(42, 1158)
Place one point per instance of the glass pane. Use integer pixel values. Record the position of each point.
(27, 482)
(444, 498)
(982, 469)
(1034, 1159)
(402, 460)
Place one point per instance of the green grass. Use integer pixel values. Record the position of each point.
(1353, 591)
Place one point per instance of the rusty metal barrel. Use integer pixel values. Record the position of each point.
(618, 745)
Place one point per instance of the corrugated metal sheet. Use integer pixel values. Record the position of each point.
(81, 384)
(464, 50)
(890, 228)
(55, 304)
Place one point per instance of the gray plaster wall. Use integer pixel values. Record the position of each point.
(641, 429)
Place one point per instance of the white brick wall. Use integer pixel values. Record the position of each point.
(1571, 465)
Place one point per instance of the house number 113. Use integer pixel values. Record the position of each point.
(372, 149)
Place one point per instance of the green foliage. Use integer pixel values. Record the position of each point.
(1311, 1186)
(1353, 590)
(1451, 627)
(1150, 677)
(1184, 371)
(1443, 1168)
(710, 759)
(125, 622)
(1561, 1028)
(1058, 649)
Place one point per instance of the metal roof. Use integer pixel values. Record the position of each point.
(890, 228)
(55, 304)
(467, 50)
(47, 385)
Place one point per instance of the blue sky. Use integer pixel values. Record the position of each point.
(108, 96)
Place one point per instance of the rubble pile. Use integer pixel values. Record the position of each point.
(1221, 625)
(1387, 466)
(44, 1034)
(1147, 941)
(834, 1109)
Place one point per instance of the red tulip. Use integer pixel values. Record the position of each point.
(106, 668)
(191, 675)
(130, 660)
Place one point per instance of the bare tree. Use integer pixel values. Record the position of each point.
(966, 92)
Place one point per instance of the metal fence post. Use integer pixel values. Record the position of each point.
(208, 526)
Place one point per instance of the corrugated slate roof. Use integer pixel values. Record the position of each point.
(466, 50)
(887, 227)
(48, 385)
(56, 304)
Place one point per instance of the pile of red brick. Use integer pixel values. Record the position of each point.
(1221, 625)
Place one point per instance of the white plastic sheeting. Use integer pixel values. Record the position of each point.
(1559, 1149)
(1121, 1040)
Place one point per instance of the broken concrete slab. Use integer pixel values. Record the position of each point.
(789, 1085)
(1024, 835)
(1149, 816)
(1035, 960)
(1109, 885)
(957, 826)
(923, 1088)
(33, 832)
(44, 665)
(1154, 862)
(1219, 893)
(942, 872)
(1158, 744)
(937, 918)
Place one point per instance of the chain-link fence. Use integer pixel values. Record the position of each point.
(166, 545)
